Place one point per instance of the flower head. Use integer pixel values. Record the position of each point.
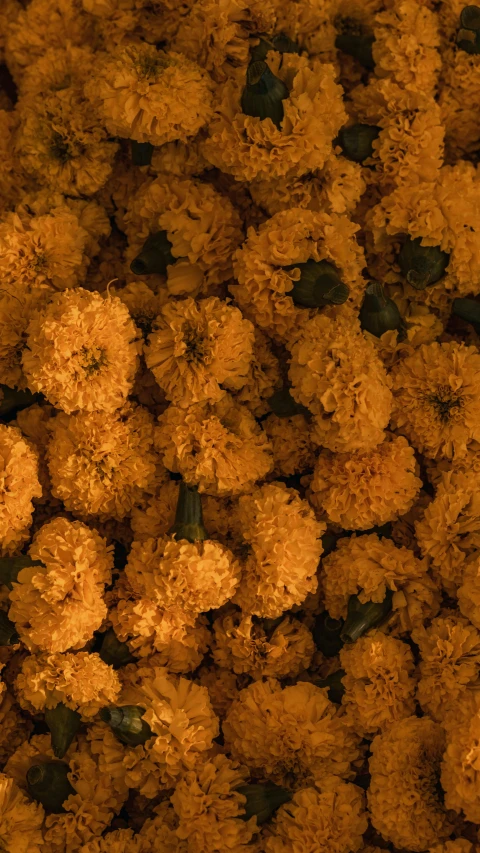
(460, 768)
(20, 484)
(406, 46)
(293, 447)
(20, 820)
(263, 376)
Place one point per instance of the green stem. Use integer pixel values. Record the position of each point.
(155, 255)
(63, 723)
(127, 724)
(378, 313)
(8, 633)
(141, 153)
(49, 785)
(422, 265)
(362, 617)
(263, 800)
(334, 685)
(327, 634)
(264, 93)
(10, 568)
(357, 141)
(188, 515)
(319, 285)
(113, 652)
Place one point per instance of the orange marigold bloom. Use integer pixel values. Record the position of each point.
(379, 687)
(20, 484)
(327, 818)
(469, 591)
(245, 646)
(20, 820)
(290, 237)
(291, 735)
(143, 302)
(337, 374)
(82, 682)
(16, 311)
(449, 661)
(222, 686)
(248, 147)
(154, 519)
(202, 226)
(231, 451)
(104, 463)
(368, 566)
(199, 349)
(406, 46)
(263, 377)
(458, 96)
(403, 796)
(116, 841)
(153, 20)
(148, 95)
(59, 604)
(293, 448)
(366, 488)
(82, 352)
(437, 398)
(284, 537)
(459, 845)
(183, 159)
(461, 768)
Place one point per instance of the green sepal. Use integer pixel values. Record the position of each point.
(264, 93)
(141, 153)
(362, 617)
(127, 724)
(113, 652)
(378, 313)
(422, 265)
(263, 800)
(319, 285)
(353, 40)
(64, 724)
(334, 685)
(469, 311)
(283, 405)
(327, 634)
(470, 18)
(48, 784)
(155, 255)
(188, 522)
(357, 141)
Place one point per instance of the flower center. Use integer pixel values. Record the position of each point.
(194, 345)
(59, 148)
(92, 359)
(445, 402)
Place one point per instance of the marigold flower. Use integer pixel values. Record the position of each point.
(337, 374)
(469, 591)
(403, 795)
(20, 820)
(82, 682)
(81, 352)
(231, 450)
(222, 686)
(458, 96)
(459, 845)
(245, 646)
(437, 398)
(379, 687)
(366, 488)
(58, 605)
(12, 178)
(293, 448)
(20, 484)
(198, 349)
(103, 463)
(183, 159)
(368, 566)
(291, 735)
(248, 147)
(263, 376)
(285, 540)
(460, 773)
(156, 517)
(116, 841)
(406, 46)
(144, 303)
(153, 20)
(328, 818)
(148, 95)
(203, 227)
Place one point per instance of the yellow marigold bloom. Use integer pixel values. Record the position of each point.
(143, 302)
(403, 797)
(118, 841)
(291, 735)
(379, 687)
(43, 24)
(327, 818)
(284, 537)
(156, 517)
(16, 311)
(469, 591)
(199, 349)
(293, 448)
(58, 605)
(83, 682)
(437, 398)
(161, 832)
(202, 226)
(448, 532)
(88, 811)
(336, 188)
(248, 147)
(245, 646)
(459, 96)
(148, 95)
(263, 376)
(441, 213)
(231, 450)
(20, 820)
(406, 46)
(368, 566)
(104, 463)
(20, 484)
(290, 237)
(208, 807)
(460, 768)
(367, 488)
(183, 576)
(449, 661)
(222, 686)
(82, 352)
(183, 159)
(410, 145)
(217, 34)
(337, 374)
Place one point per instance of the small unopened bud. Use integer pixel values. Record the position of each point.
(361, 617)
(155, 255)
(264, 93)
(263, 800)
(127, 723)
(422, 265)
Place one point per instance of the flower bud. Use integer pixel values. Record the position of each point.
(362, 617)
(469, 41)
(353, 40)
(8, 633)
(318, 285)
(63, 723)
(327, 634)
(49, 785)
(422, 265)
(283, 405)
(113, 652)
(263, 800)
(334, 685)
(263, 95)
(378, 313)
(188, 515)
(357, 141)
(127, 724)
(141, 153)
(470, 18)
(155, 255)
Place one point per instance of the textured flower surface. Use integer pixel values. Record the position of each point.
(19, 484)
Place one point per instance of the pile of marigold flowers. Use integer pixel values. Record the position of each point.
(239, 426)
